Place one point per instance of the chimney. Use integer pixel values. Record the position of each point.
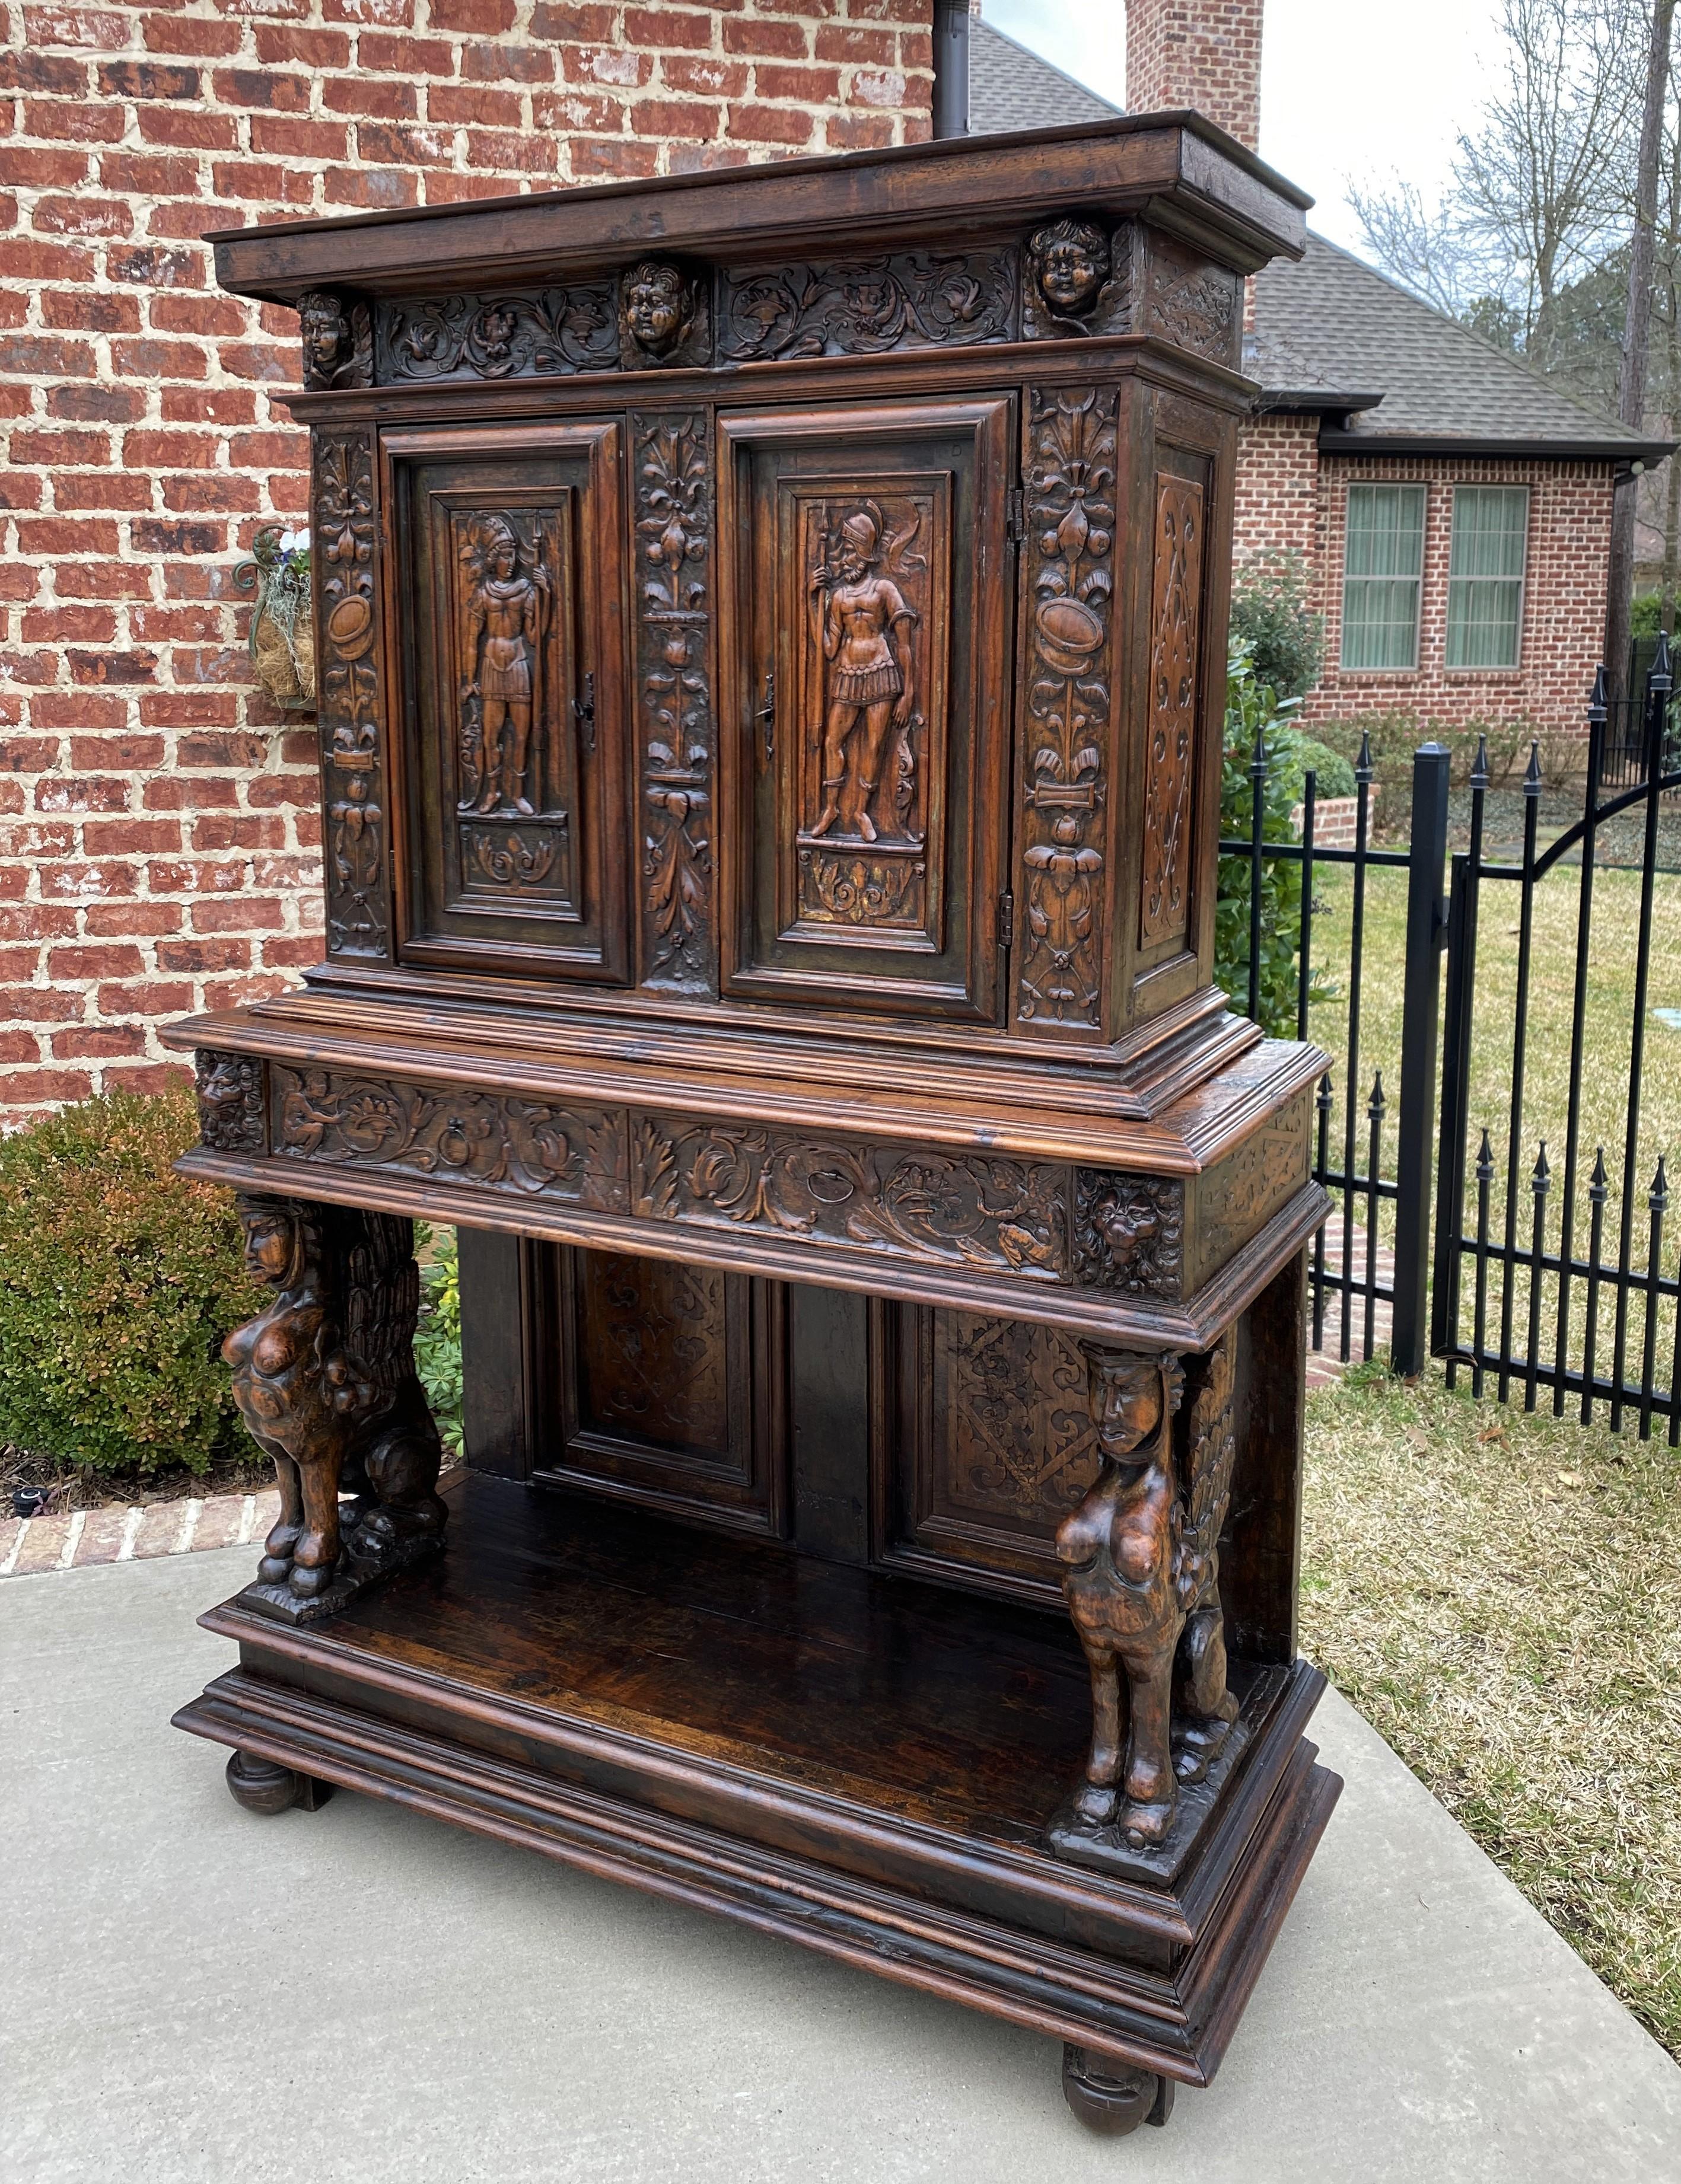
(1203, 53)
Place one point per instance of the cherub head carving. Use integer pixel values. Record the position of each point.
(658, 304)
(327, 341)
(1071, 261)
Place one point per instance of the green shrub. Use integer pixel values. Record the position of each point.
(437, 1338)
(1333, 776)
(1645, 615)
(1273, 622)
(1252, 705)
(118, 1281)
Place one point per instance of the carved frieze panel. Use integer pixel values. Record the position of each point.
(1068, 685)
(512, 702)
(911, 299)
(1014, 1439)
(1129, 1233)
(867, 609)
(493, 1140)
(519, 334)
(350, 709)
(1244, 1192)
(1077, 279)
(231, 1116)
(672, 462)
(1174, 631)
(1194, 305)
(962, 1209)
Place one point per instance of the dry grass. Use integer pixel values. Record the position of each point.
(1500, 1596)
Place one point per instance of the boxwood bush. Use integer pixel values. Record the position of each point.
(118, 1281)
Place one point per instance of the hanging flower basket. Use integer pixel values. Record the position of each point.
(283, 627)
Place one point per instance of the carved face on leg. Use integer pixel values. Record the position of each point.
(273, 1240)
(1124, 1392)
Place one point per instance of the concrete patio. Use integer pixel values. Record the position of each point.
(190, 1993)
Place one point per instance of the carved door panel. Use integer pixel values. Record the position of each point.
(865, 708)
(508, 579)
(982, 1444)
(668, 1383)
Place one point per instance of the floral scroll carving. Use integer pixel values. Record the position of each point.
(1129, 1233)
(1004, 1215)
(351, 709)
(231, 1118)
(1174, 629)
(673, 513)
(1071, 574)
(912, 300)
(537, 332)
(1193, 304)
(497, 1141)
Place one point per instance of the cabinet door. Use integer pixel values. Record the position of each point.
(865, 709)
(508, 578)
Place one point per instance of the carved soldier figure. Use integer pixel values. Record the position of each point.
(504, 620)
(657, 305)
(1069, 260)
(1121, 1552)
(868, 683)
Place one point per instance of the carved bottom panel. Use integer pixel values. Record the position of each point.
(664, 1384)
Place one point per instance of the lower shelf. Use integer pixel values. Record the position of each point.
(860, 1763)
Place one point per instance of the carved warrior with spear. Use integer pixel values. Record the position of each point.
(504, 621)
(864, 623)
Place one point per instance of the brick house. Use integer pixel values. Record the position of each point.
(1452, 510)
(158, 845)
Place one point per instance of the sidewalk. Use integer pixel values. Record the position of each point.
(188, 1993)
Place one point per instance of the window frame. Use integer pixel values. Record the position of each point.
(1521, 580)
(1420, 488)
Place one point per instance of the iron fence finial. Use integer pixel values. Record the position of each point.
(1479, 772)
(1532, 778)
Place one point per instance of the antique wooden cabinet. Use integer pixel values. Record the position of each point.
(771, 628)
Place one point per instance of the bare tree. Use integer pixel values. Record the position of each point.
(1427, 251)
(1636, 335)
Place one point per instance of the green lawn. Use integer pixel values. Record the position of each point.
(1605, 1076)
(1500, 1597)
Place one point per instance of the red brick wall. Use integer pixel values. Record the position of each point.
(1564, 598)
(157, 839)
(1278, 488)
(1202, 53)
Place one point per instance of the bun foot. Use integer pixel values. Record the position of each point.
(261, 1785)
(1112, 2097)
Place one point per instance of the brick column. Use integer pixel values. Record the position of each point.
(1201, 53)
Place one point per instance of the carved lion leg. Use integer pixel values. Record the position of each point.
(316, 1556)
(1151, 1783)
(278, 1548)
(1096, 1799)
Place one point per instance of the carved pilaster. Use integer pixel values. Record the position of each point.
(351, 708)
(1176, 630)
(325, 1378)
(673, 486)
(1069, 581)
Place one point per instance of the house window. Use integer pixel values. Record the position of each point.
(1382, 566)
(1485, 575)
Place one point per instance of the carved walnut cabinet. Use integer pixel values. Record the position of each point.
(772, 631)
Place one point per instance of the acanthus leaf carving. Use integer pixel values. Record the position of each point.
(673, 515)
(350, 709)
(910, 299)
(1070, 522)
(519, 334)
(1174, 631)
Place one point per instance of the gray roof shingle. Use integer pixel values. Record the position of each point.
(1386, 369)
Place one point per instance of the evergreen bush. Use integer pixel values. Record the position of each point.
(1272, 621)
(118, 1281)
(438, 1337)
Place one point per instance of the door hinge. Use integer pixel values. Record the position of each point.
(1007, 919)
(584, 707)
(767, 714)
(1015, 514)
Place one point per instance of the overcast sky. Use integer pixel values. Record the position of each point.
(1350, 90)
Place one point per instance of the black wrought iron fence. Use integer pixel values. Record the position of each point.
(1513, 1189)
